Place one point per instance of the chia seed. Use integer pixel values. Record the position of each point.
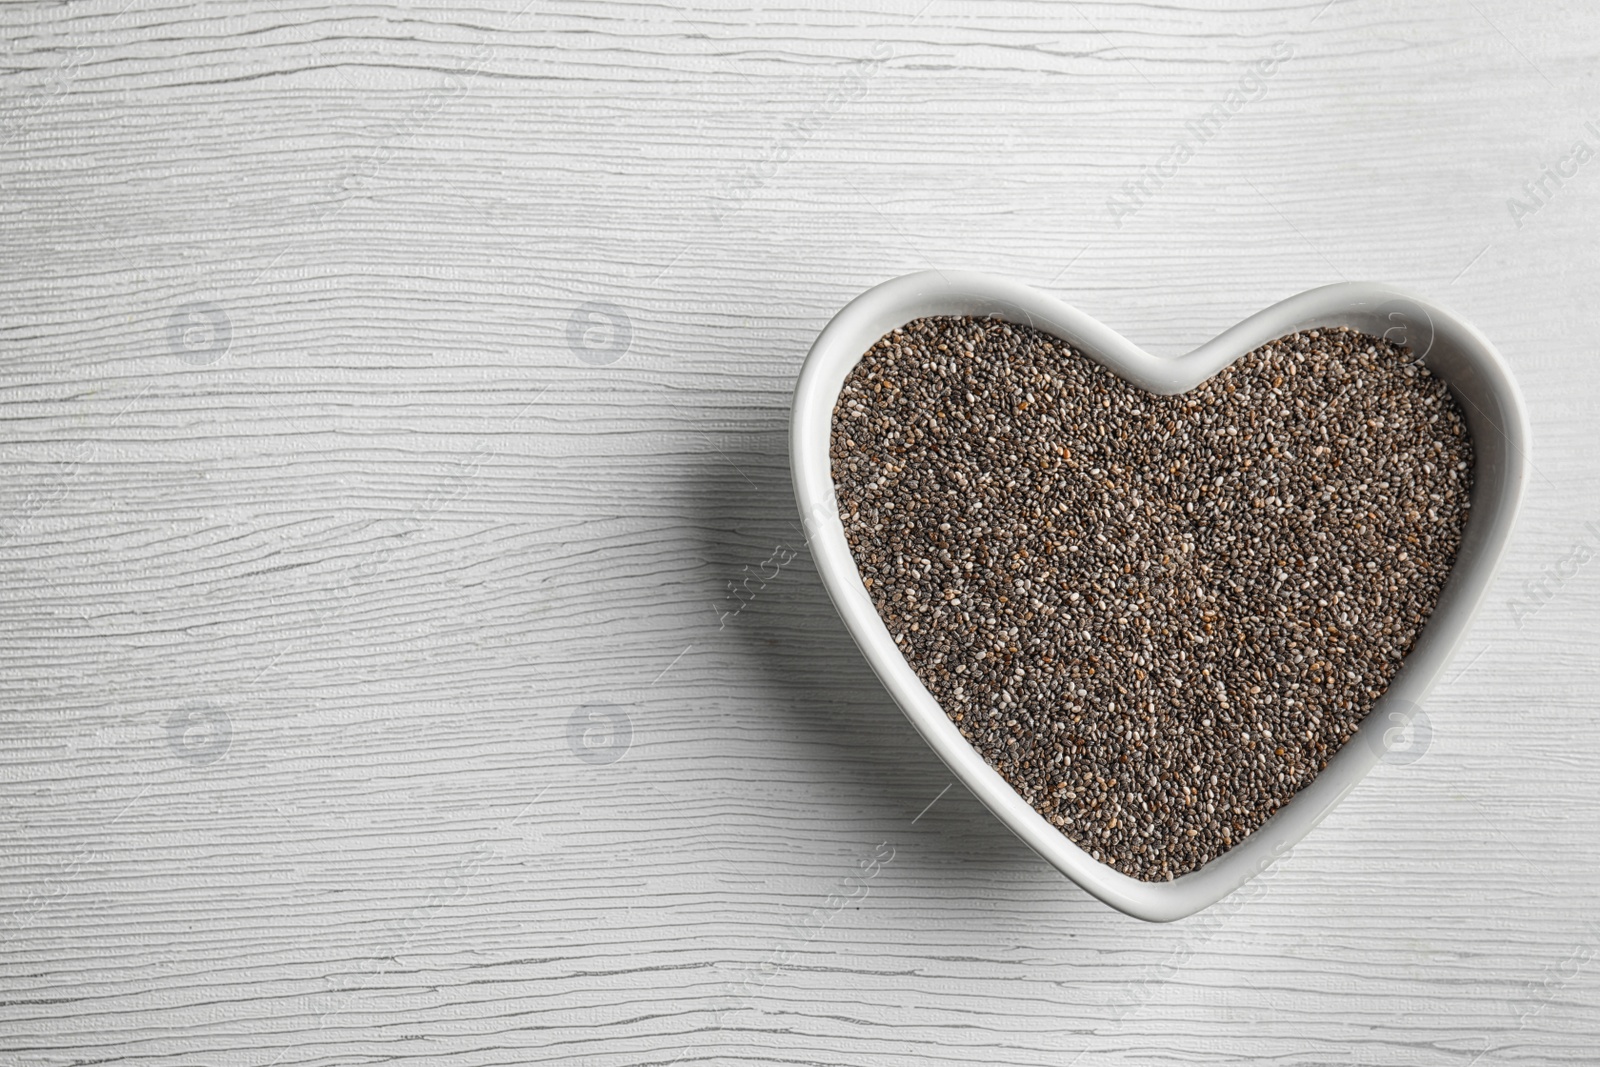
(1157, 617)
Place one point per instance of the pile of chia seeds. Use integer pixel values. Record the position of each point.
(1157, 617)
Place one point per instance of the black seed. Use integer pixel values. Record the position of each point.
(1157, 617)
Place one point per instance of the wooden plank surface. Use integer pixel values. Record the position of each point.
(392, 392)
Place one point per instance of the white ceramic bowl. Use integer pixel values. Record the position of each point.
(1452, 349)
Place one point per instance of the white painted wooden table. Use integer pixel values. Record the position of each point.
(392, 392)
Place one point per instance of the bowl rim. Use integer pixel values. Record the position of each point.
(1467, 362)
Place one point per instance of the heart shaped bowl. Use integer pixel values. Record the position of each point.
(1453, 350)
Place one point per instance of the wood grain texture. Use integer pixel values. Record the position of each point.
(338, 515)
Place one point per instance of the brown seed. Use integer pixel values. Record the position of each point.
(1157, 617)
